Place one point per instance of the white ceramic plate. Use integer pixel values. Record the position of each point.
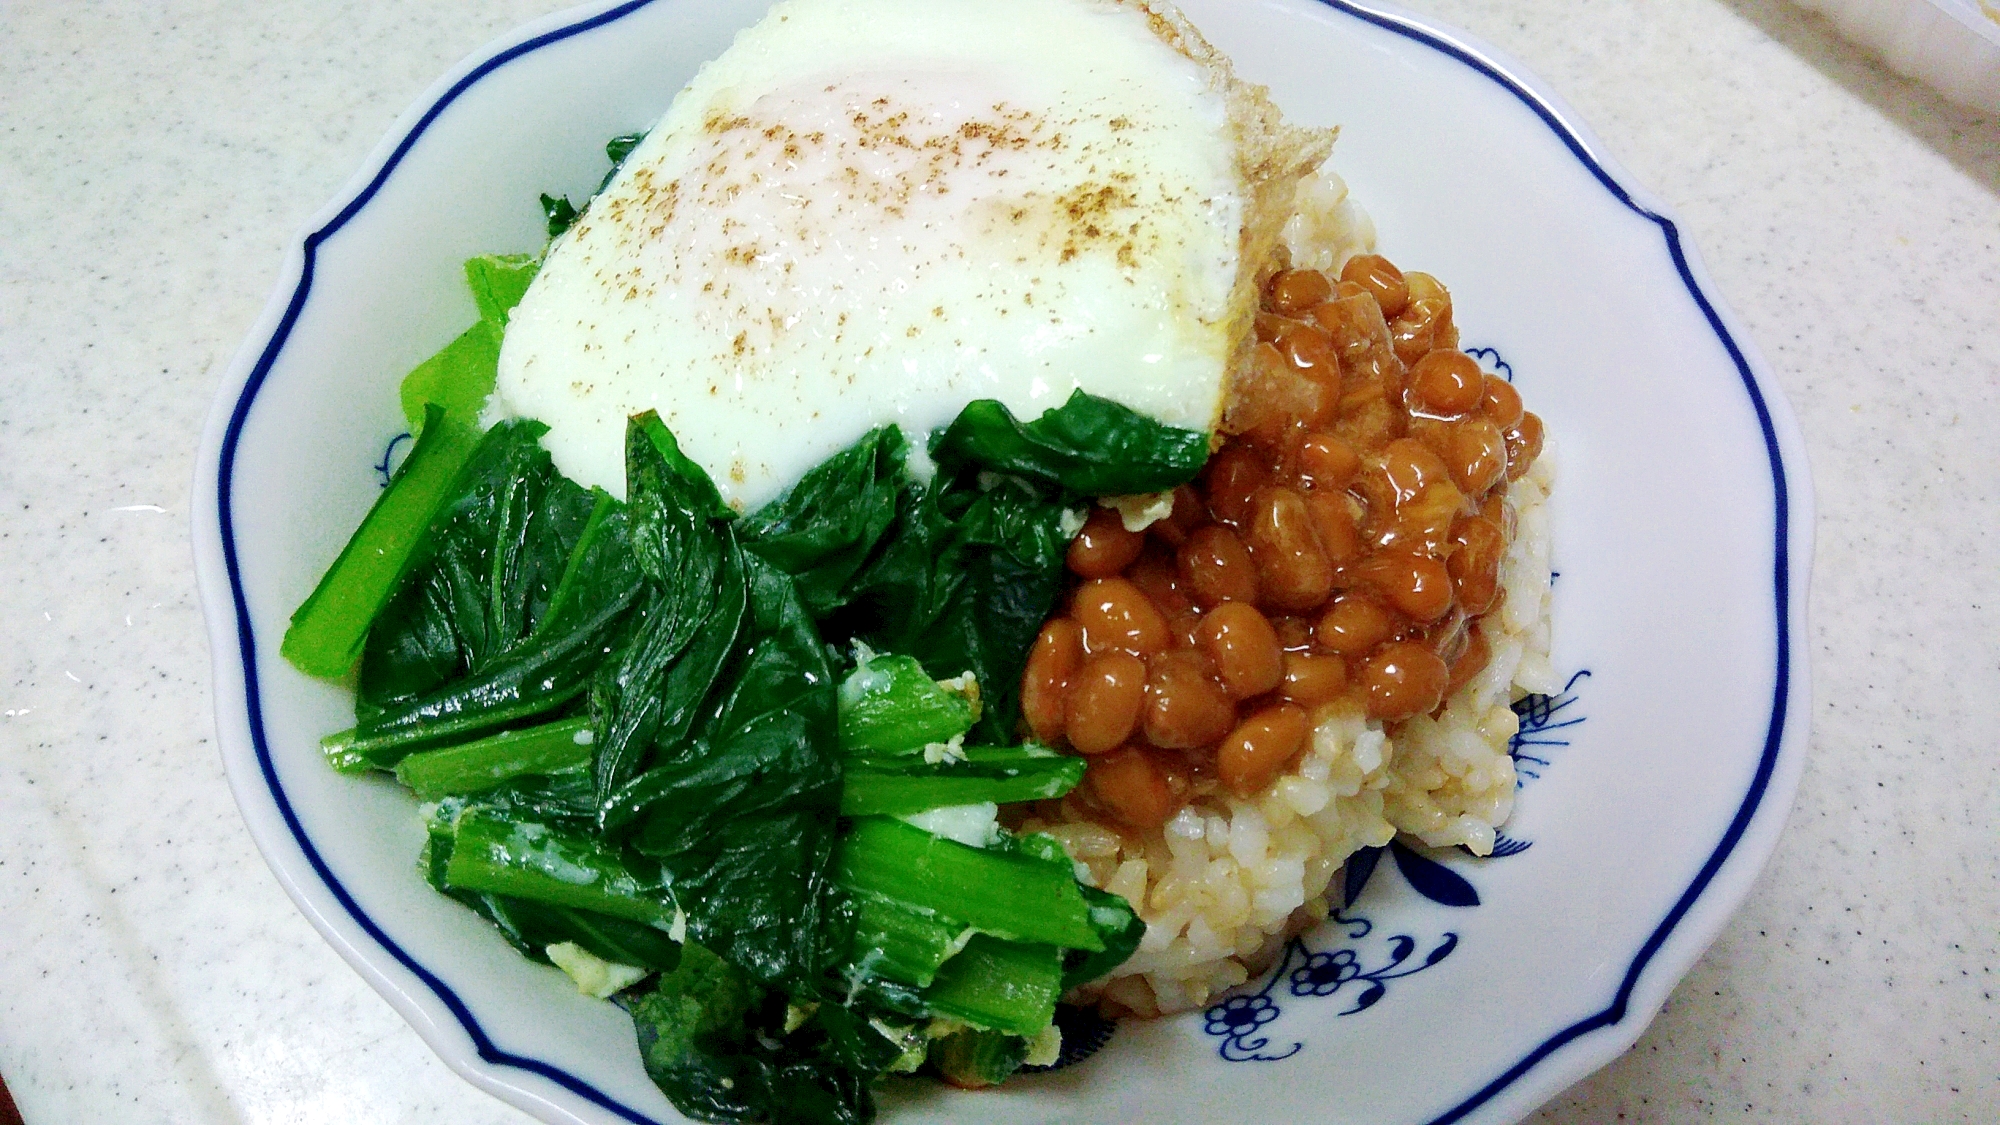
(1660, 778)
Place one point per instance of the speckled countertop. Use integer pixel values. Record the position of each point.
(155, 159)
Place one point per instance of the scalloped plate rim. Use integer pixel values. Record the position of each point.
(443, 1020)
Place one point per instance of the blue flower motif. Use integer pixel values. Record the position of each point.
(1323, 973)
(1240, 1015)
(1491, 363)
(1542, 725)
(386, 467)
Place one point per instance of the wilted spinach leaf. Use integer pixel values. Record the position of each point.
(601, 572)
(962, 583)
(822, 529)
(449, 617)
(461, 642)
(1088, 445)
(715, 1043)
(742, 816)
(618, 148)
(695, 589)
(652, 693)
(558, 214)
(531, 927)
(716, 769)
(585, 617)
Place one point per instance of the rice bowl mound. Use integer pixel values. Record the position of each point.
(1228, 879)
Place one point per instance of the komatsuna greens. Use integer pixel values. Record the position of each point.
(697, 760)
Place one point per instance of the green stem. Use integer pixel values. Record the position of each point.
(532, 927)
(350, 751)
(1000, 986)
(327, 632)
(894, 942)
(878, 787)
(1008, 895)
(475, 767)
(534, 861)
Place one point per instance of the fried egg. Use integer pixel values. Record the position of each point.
(871, 211)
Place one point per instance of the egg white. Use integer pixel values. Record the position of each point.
(869, 211)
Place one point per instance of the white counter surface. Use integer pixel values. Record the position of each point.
(156, 158)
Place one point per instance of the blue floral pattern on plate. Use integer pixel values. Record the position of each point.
(1238, 1020)
(1544, 719)
(385, 469)
(1359, 956)
(1490, 362)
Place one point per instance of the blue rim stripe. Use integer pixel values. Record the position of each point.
(1780, 569)
(1612, 1014)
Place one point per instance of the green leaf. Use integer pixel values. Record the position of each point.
(863, 1043)
(673, 505)
(963, 582)
(559, 214)
(1088, 445)
(528, 527)
(688, 624)
(618, 148)
(469, 646)
(1117, 925)
(1037, 845)
(974, 1059)
(652, 694)
(621, 146)
(326, 635)
(823, 528)
(889, 704)
(702, 999)
(742, 816)
(716, 1045)
(458, 378)
(715, 774)
(498, 281)
(600, 569)
(494, 553)
(654, 461)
